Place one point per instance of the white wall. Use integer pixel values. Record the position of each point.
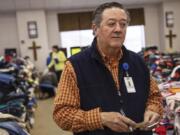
(8, 32)
(161, 28)
(173, 6)
(39, 16)
(155, 27)
(52, 28)
(152, 32)
(11, 35)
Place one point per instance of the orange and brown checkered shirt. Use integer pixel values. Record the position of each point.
(67, 112)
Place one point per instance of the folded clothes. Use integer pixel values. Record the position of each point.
(174, 90)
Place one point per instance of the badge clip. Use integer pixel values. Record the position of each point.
(126, 67)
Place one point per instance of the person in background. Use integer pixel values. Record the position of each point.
(48, 83)
(58, 59)
(107, 89)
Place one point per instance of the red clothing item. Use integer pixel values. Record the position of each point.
(161, 130)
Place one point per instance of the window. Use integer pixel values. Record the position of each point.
(76, 38)
(75, 30)
(135, 39)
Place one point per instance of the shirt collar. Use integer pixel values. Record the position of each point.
(108, 58)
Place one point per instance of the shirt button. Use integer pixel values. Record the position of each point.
(121, 101)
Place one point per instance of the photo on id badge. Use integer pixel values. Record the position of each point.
(129, 84)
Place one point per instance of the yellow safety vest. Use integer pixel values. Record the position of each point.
(58, 60)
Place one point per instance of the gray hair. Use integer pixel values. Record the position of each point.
(97, 14)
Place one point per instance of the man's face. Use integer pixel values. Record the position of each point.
(112, 30)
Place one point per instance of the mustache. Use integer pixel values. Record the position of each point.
(116, 35)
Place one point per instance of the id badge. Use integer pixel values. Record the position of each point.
(129, 85)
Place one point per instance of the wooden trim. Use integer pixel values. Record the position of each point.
(82, 20)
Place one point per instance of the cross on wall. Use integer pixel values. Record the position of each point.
(170, 36)
(34, 48)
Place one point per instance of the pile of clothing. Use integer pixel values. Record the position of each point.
(17, 98)
(160, 64)
(165, 69)
(171, 118)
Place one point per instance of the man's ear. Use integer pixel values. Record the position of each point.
(94, 28)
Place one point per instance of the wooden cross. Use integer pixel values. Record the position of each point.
(34, 47)
(171, 36)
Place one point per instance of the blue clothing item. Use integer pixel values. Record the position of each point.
(14, 107)
(15, 96)
(98, 89)
(6, 78)
(32, 103)
(47, 88)
(48, 60)
(12, 128)
(7, 83)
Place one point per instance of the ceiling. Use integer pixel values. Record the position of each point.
(13, 5)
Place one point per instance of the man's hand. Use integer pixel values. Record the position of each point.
(117, 122)
(151, 120)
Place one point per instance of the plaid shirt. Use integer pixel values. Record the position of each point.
(67, 112)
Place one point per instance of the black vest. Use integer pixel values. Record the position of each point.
(98, 89)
